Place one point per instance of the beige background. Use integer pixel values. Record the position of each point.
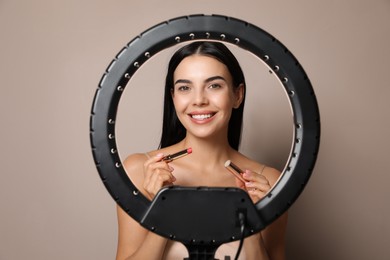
(53, 53)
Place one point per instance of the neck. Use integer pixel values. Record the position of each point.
(214, 152)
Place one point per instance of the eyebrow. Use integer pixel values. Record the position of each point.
(206, 81)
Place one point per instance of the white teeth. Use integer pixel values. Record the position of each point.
(201, 117)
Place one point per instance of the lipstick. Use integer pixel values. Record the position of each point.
(175, 156)
(235, 170)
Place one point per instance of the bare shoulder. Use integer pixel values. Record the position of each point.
(134, 161)
(271, 174)
(134, 167)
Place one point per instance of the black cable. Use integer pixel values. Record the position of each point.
(241, 219)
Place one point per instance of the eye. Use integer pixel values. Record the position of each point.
(215, 86)
(183, 88)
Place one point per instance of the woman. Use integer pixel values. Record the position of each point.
(203, 109)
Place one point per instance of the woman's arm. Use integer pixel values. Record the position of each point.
(271, 241)
(274, 234)
(273, 237)
(134, 241)
(254, 248)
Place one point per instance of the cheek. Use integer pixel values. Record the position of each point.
(179, 103)
(225, 101)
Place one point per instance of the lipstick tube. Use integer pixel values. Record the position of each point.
(175, 156)
(235, 170)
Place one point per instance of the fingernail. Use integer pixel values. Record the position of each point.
(248, 184)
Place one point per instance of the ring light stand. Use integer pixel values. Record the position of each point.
(203, 218)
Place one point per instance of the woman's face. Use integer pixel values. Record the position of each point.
(203, 95)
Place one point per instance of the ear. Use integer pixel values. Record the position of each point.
(239, 95)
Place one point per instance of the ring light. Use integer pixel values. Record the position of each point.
(175, 211)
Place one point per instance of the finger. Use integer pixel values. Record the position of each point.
(161, 175)
(159, 179)
(257, 185)
(252, 176)
(264, 187)
(155, 163)
(148, 165)
(255, 177)
(239, 183)
(155, 158)
(256, 194)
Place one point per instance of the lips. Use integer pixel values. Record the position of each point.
(201, 116)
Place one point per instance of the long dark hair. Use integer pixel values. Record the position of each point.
(173, 131)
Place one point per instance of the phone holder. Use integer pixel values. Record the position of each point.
(217, 217)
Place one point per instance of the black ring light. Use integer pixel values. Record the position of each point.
(175, 211)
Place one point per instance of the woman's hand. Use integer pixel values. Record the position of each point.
(157, 174)
(257, 185)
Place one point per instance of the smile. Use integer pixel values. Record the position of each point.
(202, 116)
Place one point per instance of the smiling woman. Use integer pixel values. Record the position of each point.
(267, 127)
(204, 101)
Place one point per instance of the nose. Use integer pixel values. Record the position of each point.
(200, 98)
